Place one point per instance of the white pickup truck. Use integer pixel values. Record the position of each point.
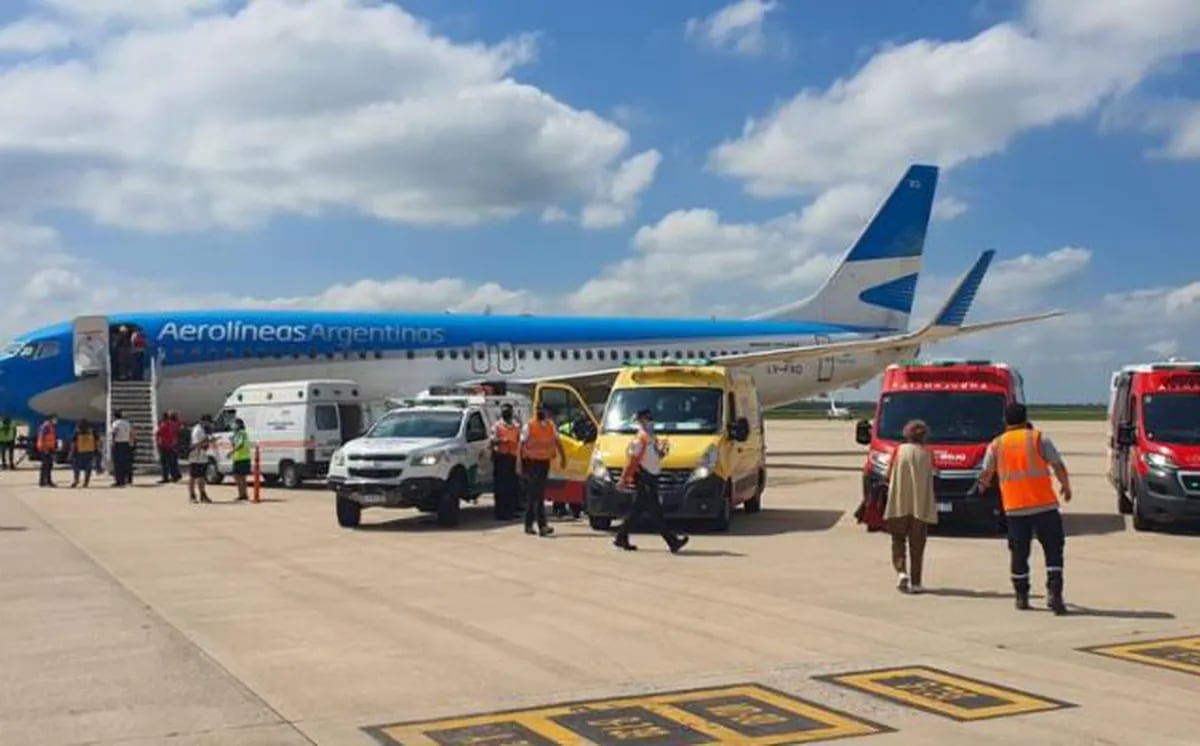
(431, 453)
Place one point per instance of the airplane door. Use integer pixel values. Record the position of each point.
(90, 345)
(480, 360)
(825, 366)
(506, 358)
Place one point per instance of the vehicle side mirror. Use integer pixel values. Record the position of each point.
(740, 430)
(583, 430)
(1126, 436)
(862, 433)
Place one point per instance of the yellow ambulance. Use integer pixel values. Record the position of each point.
(709, 414)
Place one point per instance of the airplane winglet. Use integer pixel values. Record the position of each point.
(954, 312)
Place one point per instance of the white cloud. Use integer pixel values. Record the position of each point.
(948, 102)
(948, 208)
(31, 36)
(190, 115)
(736, 28)
(1014, 283)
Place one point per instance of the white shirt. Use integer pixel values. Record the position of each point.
(121, 431)
(651, 461)
(198, 454)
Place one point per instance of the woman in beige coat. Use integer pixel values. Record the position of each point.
(911, 509)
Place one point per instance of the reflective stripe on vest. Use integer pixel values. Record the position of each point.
(1024, 475)
(241, 446)
(508, 437)
(540, 444)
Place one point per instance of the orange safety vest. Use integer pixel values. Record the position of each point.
(1025, 485)
(637, 452)
(47, 440)
(508, 437)
(540, 444)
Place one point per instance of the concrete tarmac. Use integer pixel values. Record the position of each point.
(131, 616)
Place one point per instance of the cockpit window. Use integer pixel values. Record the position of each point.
(12, 349)
(28, 350)
(47, 349)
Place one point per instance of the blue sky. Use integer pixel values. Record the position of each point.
(551, 157)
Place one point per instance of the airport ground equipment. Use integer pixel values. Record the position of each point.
(1154, 442)
(431, 452)
(963, 403)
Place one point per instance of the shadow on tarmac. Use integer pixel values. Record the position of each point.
(776, 521)
(1074, 609)
(1074, 524)
(13, 528)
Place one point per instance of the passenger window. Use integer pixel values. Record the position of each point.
(537, 354)
(410, 354)
(506, 354)
(326, 417)
(453, 354)
(588, 354)
(476, 429)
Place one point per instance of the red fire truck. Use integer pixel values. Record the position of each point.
(1154, 442)
(962, 402)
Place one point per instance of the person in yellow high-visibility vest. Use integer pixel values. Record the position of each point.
(1023, 458)
(239, 452)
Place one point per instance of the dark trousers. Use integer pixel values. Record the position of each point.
(645, 503)
(168, 460)
(507, 489)
(1048, 528)
(122, 456)
(908, 538)
(82, 463)
(535, 473)
(46, 478)
(8, 453)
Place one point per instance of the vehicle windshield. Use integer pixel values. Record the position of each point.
(1172, 418)
(676, 410)
(416, 425)
(952, 416)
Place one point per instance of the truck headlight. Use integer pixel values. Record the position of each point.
(880, 460)
(338, 458)
(429, 459)
(708, 462)
(1159, 461)
(599, 470)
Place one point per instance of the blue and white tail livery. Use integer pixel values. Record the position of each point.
(841, 336)
(876, 283)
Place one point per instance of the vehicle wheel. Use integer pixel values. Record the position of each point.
(349, 513)
(722, 521)
(451, 499)
(754, 504)
(289, 475)
(600, 523)
(212, 474)
(1140, 522)
(1124, 504)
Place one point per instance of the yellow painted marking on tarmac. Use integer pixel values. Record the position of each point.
(745, 714)
(944, 693)
(1174, 653)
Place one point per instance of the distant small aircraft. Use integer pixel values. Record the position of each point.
(835, 412)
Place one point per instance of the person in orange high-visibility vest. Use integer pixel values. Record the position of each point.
(506, 440)
(1023, 458)
(641, 473)
(47, 448)
(539, 444)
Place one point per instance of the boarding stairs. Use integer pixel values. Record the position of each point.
(137, 401)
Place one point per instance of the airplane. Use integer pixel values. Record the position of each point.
(842, 335)
(835, 412)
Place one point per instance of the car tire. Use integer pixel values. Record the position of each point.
(289, 475)
(212, 473)
(722, 521)
(1140, 522)
(450, 500)
(600, 523)
(754, 504)
(349, 513)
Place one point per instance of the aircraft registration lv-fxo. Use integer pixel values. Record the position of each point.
(841, 336)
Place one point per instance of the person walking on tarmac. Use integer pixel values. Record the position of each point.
(539, 444)
(8, 444)
(83, 453)
(641, 473)
(239, 453)
(47, 447)
(506, 440)
(198, 458)
(1023, 458)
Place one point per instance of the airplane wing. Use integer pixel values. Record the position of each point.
(946, 324)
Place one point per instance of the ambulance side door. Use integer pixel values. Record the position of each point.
(568, 407)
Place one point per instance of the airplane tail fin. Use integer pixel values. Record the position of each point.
(873, 287)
